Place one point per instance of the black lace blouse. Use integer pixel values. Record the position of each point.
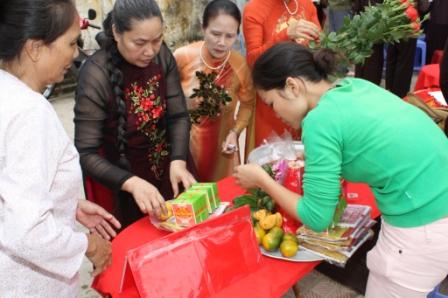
(96, 117)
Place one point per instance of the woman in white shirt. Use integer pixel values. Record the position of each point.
(40, 175)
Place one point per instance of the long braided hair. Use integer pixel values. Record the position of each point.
(121, 17)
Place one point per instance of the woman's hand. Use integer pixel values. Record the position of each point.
(96, 219)
(99, 252)
(250, 176)
(146, 195)
(230, 145)
(179, 173)
(302, 29)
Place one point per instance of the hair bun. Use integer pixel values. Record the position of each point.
(325, 61)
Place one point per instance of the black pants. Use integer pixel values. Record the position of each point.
(399, 66)
(372, 69)
(436, 35)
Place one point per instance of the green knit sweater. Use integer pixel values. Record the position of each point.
(364, 133)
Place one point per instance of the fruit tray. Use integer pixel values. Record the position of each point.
(301, 256)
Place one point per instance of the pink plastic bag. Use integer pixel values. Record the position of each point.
(196, 262)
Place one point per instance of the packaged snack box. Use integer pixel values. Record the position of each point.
(190, 208)
(208, 196)
(212, 189)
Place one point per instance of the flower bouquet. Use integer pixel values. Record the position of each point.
(213, 96)
(388, 22)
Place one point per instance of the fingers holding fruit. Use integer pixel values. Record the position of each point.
(164, 215)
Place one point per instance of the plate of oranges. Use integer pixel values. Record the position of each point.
(275, 243)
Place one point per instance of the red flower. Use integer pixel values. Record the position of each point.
(152, 97)
(415, 26)
(159, 147)
(147, 104)
(157, 112)
(411, 13)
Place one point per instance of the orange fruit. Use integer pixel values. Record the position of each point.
(290, 237)
(259, 233)
(288, 248)
(270, 242)
(278, 232)
(164, 216)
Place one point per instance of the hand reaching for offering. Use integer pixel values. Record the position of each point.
(178, 174)
(97, 219)
(146, 195)
(250, 175)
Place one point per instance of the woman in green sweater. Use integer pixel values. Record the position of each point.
(358, 131)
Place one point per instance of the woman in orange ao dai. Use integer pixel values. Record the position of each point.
(214, 141)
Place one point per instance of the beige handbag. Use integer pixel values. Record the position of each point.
(438, 115)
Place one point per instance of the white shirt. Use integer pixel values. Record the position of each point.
(40, 178)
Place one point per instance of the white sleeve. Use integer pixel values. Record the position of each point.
(30, 228)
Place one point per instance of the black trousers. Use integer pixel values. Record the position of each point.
(399, 66)
(372, 69)
(436, 35)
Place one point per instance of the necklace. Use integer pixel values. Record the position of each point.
(289, 11)
(211, 67)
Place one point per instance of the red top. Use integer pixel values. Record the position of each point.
(265, 23)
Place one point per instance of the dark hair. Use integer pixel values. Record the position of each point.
(122, 16)
(21, 20)
(217, 7)
(289, 59)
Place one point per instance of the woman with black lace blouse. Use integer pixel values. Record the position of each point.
(131, 121)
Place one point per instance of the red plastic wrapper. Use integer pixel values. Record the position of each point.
(293, 181)
(197, 262)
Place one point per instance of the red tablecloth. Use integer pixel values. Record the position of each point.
(273, 279)
(428, 77)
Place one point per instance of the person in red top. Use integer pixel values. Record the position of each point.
(265, 23)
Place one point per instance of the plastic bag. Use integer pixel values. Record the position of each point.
(275, 149)
(197, 262)
(282, 157)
